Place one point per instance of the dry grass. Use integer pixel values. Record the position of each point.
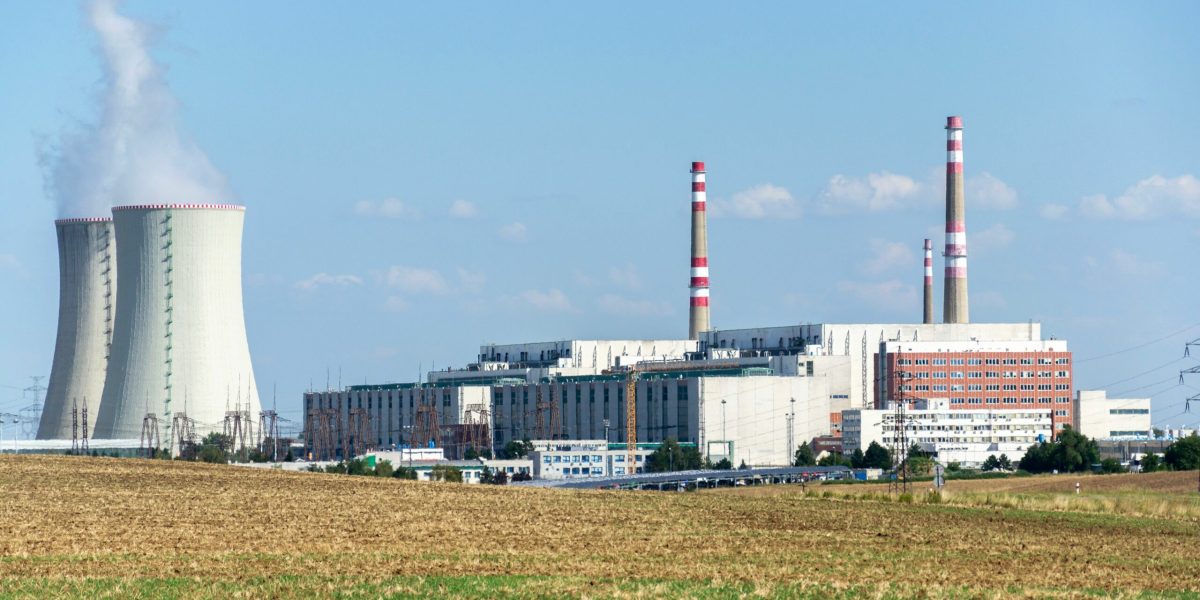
(63, 519)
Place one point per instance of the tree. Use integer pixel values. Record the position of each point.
(517, 449)
(405, 473)
(446, 473)
(858, 460)
(1111, 465)
(1183, 454)
(833, 459)
(670, 456)
(722, 465)
(877, 457)
(212, 454)
(1158, 433)
(1070, 452)
(804, 456)
(991, 464)
(1005, 463)
(1151, 463)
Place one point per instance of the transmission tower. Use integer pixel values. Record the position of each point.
(359, 435)
(183, 434)
(1187, 404)
(426, 427)
(477, 435)
(74, 426)
(150, 441)
(83, 446)
(234, 430)
(899, 448)
(268, 429)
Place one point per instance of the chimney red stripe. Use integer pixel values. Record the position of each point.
(701, 301)
(954, 167)
(698, 186)
(699, 261)
(955, 227)
(698, 206)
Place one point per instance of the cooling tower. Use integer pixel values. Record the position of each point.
(179, 330)
(87, 282)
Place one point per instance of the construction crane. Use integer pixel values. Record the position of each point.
(633, 374)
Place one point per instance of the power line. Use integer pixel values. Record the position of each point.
(1139, 346)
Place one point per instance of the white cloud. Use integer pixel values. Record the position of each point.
(626, 276)
(621, 306)
(325, 279)
(395, 304)
(1053, 211)
(763, 201)
(886, 256)
(987, 192)
(471, 281)
(415, 280)
(996, 236)
(1125, 265)
(1150, 198)
(876, 192)
(389, 208)
(891, 295)
(462, 209)
(514, 232)
(583, 279)
(551, 300)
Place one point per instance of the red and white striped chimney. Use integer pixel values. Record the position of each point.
(954, 308)
(698, 313)
(928, 281)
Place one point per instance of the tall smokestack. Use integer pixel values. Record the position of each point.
(698, 314)
(954, 308)
(928, 281)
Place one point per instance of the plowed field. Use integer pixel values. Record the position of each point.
(129, 528)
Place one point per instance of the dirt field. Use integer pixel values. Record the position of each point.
(130, 528)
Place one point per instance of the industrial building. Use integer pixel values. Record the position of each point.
(751, 395)
(964, 435)
(1098, 416)
(87, 273)
(575, 459)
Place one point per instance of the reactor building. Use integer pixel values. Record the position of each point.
(179, 339)
(751, 395)
(87, 274)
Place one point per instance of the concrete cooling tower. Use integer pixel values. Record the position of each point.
(87, 283)
(180, 333)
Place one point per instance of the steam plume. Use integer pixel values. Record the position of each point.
(136, 152)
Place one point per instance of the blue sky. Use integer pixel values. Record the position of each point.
(421, 179)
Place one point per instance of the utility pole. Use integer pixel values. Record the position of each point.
(791, 434)
(74, 426)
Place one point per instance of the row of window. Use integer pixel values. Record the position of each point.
(984, 361)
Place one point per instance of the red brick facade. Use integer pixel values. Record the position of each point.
(1037, 380)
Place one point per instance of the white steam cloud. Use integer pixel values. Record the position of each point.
(136, 152)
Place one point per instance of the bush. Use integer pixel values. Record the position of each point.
(405, 473)
(1071, 452)
(670, 456)
(212, 454)
(1111, 465)
(804, 456)
(446, 473)
(1151, 463)
(383, 468)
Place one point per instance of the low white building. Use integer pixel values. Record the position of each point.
(510, 466)
(966, 436)
(573, 459)
(1098, 416)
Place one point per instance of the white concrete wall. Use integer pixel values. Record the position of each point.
(755, 416)
(1098, 416)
